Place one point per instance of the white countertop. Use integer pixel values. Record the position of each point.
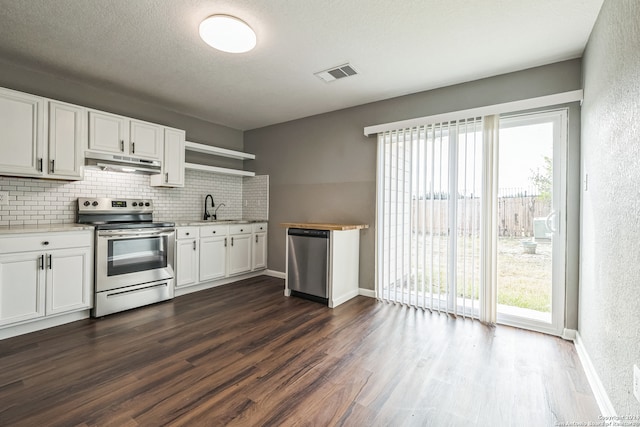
(51, 228)
(191, 223)
(42, 228)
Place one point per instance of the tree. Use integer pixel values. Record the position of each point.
(542, 180)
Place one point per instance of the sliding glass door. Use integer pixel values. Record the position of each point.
(531, 239)
(470, 218)
(429, 202)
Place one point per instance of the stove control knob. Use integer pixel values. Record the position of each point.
(87, 203)
(94, 203)
(140, 204)
(147, 204)
(135, 204)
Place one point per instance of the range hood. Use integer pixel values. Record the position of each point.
(120, 163)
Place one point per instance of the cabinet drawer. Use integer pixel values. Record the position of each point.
(187, 233)
(44, 241)
(240, 229)
(259, 227)
(214, 230)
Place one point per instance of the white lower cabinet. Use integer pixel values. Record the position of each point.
(240, 249)
(22, 287)
(45, 274)
(187, 241)
(259, 255)
(212, 253)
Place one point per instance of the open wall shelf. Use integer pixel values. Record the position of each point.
(220, 152)
(216, 169)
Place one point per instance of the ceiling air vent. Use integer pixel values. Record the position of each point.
(336, 73)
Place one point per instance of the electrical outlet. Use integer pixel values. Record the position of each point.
(4, 197)
(636, 382)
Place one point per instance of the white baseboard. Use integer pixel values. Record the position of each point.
(342, 299)
(44, 323)
(367, 292)
(605, 405)
(274, 273)
(569, 334)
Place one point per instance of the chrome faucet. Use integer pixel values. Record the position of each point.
(213, 205)
(215, 212)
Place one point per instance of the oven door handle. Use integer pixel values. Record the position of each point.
(137, 233)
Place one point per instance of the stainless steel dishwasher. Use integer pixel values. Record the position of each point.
(307, 273)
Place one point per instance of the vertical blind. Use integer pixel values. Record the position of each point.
(431, 184)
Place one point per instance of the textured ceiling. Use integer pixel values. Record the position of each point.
(151, 49)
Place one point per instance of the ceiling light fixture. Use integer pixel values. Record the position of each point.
(228, 34)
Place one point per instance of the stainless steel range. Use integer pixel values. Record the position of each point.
(134, 256)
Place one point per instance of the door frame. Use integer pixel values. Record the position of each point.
(559, 203)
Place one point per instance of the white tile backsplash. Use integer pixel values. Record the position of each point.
(255, 197)
(41, 201)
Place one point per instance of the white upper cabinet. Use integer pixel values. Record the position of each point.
(21, 133)
(173, 160)
(107, 132)
(41, 138)
(146, 139)
(116, 134)
(66, 140)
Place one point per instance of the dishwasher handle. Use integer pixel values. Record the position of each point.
(321, 234)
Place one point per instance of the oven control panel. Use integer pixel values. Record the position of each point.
(103, 204)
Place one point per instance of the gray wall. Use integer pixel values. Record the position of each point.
(609, 321)
(322, 168)
(63, 88)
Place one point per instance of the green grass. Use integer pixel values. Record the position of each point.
(524, 280)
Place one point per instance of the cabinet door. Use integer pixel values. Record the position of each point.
(22, 288)
(213, 258)
(146, 139)
(21, 133)
(66, 140)
(259, 251)
(68, 274)
(240, 254)
(173, 162)
(107, 132)
(186, 263)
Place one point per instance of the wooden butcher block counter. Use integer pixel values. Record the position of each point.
(324, 226)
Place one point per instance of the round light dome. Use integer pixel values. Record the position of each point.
(228, 34)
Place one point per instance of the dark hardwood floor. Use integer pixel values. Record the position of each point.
(245, 355)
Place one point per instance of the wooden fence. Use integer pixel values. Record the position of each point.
(516, 214)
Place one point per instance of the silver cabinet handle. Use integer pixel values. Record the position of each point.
(225, 242)
(122, 145)
(232, 241)
(166, 177)
(133, 147)
(53, 166)
(50, 262)
(41, 262)
(40, 165)
(256, 238)
(194, 245)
